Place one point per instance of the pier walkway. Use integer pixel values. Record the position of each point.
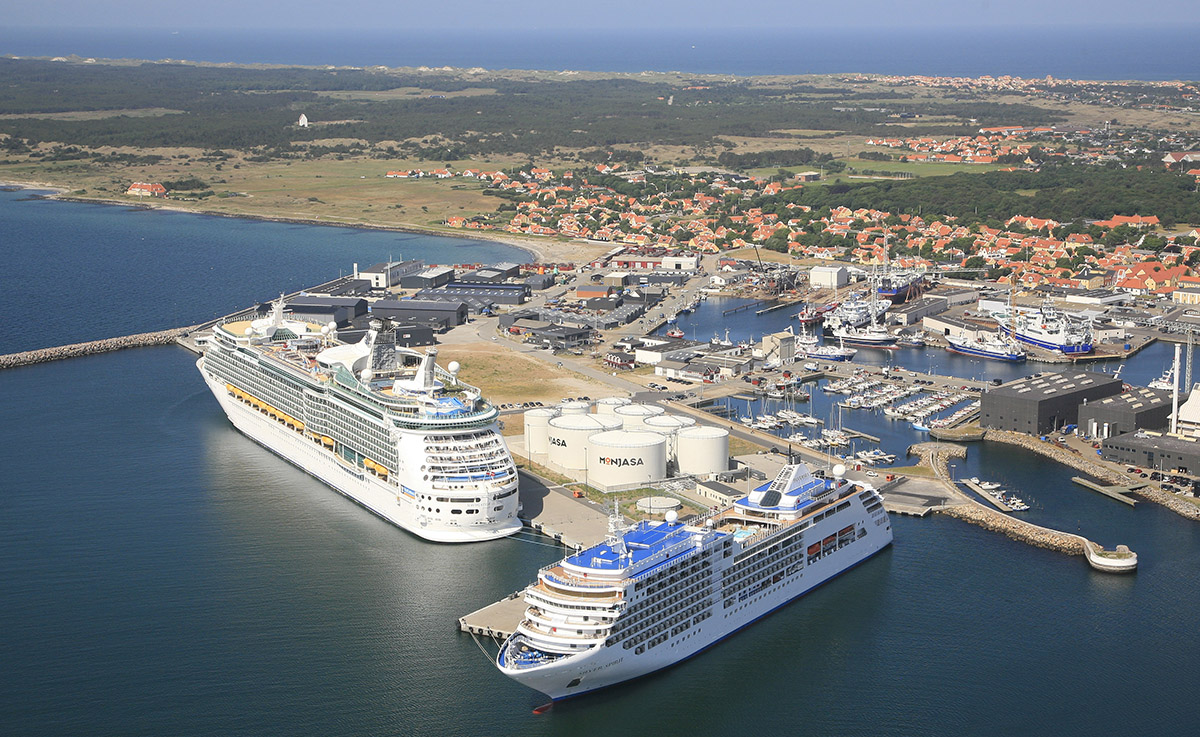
(1113, 492)
(497, 620)
(986, 497)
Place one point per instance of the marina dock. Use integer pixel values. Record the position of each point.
(1113, 492)
(778, 306)
(985, 496)
(743, 308)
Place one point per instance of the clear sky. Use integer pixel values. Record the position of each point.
(482, 15)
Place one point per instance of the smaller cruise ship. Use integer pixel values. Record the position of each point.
(829, 352)
(659, 592)
(855, 313)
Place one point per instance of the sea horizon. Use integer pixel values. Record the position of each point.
(1082, 52)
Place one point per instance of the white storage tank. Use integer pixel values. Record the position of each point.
(633, 416)
(626, 457)
(573, 408)
(567, 437)
(537, 423)
(702, 450)
(669, 427)
(607, 405)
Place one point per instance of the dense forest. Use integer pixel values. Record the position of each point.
(1062, 193)
(253, 109)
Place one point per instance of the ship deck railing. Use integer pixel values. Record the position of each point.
(563, 633)
(555, 573)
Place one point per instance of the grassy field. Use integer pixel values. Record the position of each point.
(144, 112)
(350, 191)
(918, 168)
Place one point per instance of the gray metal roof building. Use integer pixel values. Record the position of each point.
(433, 277)
(323, 309)
(503, 294)
(421, 311)
(1137, 409)
(1153, 450)
(1045, 403)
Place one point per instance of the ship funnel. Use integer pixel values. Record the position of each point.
(427, 368)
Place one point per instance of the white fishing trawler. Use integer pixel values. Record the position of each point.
(657, 593)
(987, 346)
(1049, 328)
(380, 423)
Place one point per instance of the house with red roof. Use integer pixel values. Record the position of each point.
(147, 189)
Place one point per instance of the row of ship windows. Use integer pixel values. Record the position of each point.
(282, 395)
(752, 566)
(678, 623)
(262, 387)
(756, 559)
(662, 581)
(669, 606)
(686, 588)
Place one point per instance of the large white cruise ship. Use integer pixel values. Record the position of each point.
(662, 591)
(382, 424)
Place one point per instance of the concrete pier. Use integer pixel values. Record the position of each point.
(551, 510)
(1112, 492)
(498, 620)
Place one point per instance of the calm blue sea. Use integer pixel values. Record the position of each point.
(76, 272)
(162, 574)
(1151, 52)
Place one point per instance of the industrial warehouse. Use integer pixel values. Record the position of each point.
(617, 445)
(1045, 403)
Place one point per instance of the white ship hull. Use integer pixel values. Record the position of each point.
(361, 487)
(604, 666)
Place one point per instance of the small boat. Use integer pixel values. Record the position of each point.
(675, 333)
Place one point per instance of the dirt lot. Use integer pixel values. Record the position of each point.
(504, 375)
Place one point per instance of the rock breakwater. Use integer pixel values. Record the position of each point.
(1017, 529)
(91, 348)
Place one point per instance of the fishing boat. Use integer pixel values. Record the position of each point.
(988, 346)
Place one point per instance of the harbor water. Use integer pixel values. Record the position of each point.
(162, 574)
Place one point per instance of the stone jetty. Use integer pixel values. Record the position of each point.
(91, 348)
(937, 456)
(1017, 529)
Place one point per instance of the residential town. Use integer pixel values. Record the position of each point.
(1130, 253)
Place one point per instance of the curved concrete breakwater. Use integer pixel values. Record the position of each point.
(91, 348)
(1095, 470)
